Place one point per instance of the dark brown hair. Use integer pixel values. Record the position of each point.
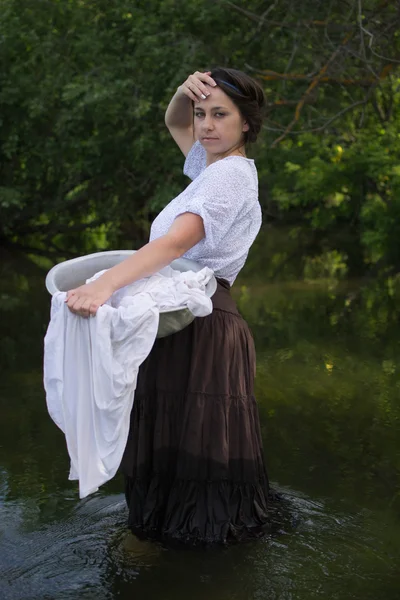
(249, 97)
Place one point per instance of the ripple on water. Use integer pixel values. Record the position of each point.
(316, 550)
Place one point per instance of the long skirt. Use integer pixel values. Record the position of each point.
(193, 465)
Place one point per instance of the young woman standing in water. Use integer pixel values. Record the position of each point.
(193, 465)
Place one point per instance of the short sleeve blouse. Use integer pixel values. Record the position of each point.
(225, 195)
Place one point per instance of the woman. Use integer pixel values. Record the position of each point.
(193, 464)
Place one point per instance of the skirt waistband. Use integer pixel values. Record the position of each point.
(222, 299)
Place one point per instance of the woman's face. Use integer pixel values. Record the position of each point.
(218, 124)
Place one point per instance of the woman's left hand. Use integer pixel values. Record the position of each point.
(86, 299)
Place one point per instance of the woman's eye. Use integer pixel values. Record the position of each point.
(199, 115)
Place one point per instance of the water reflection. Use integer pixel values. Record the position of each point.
(328, 388)
(337, 553)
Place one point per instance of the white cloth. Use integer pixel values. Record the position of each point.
(225, 195)
(91, 366)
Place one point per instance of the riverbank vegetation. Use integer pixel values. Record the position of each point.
(86, 161)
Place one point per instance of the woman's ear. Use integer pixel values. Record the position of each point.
(246, 126)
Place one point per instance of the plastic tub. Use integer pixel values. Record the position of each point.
(73, 273)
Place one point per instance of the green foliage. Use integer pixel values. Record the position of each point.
(346, 189)
(86, 161)
(83, 93)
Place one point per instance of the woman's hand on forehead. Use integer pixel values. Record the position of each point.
(196, 86)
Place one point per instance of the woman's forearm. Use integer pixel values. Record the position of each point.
(148, 260)
(186, 231)
(179, 112)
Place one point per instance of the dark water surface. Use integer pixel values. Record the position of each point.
(328, 388)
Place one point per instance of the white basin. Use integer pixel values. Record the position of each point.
(72, 273)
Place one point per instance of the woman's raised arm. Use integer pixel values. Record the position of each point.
(179, 114)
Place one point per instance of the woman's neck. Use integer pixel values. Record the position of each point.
(212, 158)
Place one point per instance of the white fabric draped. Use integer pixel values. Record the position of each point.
(91, 366)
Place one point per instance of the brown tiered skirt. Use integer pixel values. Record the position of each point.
(193, 464)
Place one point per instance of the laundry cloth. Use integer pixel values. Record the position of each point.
(91, 366)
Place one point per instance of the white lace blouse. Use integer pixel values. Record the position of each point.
(225, 195)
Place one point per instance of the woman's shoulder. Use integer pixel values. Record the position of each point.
(237, 167)
(235, 174)
(195, 161)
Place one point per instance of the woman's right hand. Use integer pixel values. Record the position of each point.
(195, 86)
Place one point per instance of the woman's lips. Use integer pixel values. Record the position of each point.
(208, 139)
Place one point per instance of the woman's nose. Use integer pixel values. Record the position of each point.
(208, 123)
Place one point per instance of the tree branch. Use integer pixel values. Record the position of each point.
(306, 23)
(310, 88)
(273, 76)
(325, 125)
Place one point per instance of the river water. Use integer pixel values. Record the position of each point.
(328, 388)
